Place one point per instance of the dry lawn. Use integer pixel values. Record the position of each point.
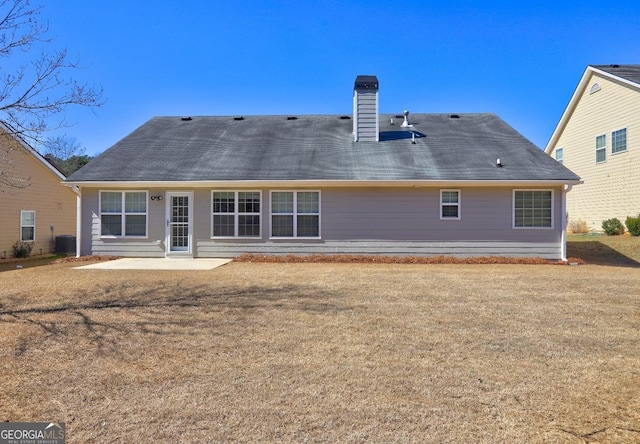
(325, 353)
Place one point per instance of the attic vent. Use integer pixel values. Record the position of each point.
(454, 116)
(238, 118)
(345, 117)
(292, 118)
(615, 66)
(594, 88)
(186, 119)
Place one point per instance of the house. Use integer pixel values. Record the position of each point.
(36, 207)
(364, 183)
(598, 137)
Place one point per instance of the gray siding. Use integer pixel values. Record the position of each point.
(366, 125)
(384, 221)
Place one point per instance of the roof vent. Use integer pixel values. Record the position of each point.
(186, 119)
(498, 163)
(405, 123)
(292, 118)
(238, 118)
(345, 117)
(614, 66)
(454, 116)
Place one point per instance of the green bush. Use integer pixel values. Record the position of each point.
(613, 227)
(22, 249)
(633, 225)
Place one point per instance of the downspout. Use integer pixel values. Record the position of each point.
(564, 221)
(76, 189)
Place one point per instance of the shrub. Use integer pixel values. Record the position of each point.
(633, 225)
(579, 226)
(613, 227)
(22, 249)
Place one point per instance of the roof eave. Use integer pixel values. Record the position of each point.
(323, 183)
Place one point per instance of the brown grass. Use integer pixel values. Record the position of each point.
(325, 353)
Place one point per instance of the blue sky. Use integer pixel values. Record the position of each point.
(520, 60)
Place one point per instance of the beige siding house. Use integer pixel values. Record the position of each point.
(598, 138)
(36, 206)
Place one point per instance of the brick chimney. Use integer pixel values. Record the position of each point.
(366, 121)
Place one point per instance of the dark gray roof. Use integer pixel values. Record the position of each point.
(321, 147)
(627, 72)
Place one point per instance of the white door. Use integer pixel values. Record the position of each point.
(179, 223)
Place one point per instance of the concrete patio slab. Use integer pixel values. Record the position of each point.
(131, 263)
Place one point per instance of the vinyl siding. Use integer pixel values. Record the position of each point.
(609, 187)
(389, 221)
(53, 203)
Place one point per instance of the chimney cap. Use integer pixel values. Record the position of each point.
(366, 82)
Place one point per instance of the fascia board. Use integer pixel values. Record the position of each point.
(325, 184)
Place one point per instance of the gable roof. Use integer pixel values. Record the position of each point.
(464, 147)
(6, 130)
(626, 74)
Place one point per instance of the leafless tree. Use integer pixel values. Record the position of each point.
(36, 93)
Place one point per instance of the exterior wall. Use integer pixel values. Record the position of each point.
(389, 221)
(54, 204)
(609, 188)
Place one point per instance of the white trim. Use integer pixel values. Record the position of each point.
(189, 251)
(513, 210)
(458, 204)
(124, 214)
(236, 214)
(294, 214)
(28, 226)
(298, 184)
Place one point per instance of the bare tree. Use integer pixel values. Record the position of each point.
(34, 96)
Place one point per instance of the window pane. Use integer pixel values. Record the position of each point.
(135, 225)
(532, 209)
(601, 155)
(282, 202)
(223, 225)
(601, 141)
(308, 226)
(619, 141)
(249, 202)
(28, 234)
(28, 218)
(308, 202)
(249, 226)
(110, 202)
(450, 211)
(559, 155)
(282, 226)
(224, 202)
(449, 197)
(135, 202)
(111, 225)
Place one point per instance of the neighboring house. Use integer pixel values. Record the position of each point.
(598, 137)
(36, 207)
(419, 184)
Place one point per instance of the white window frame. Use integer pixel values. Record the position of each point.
(560, 155)
(513, 209)
(602, 148)
(236, 214)
(295, 214)
(123, 213)
(23, 225)
(457, 204)
(626, 141)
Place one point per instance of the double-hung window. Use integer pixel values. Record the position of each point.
(533, 209)
(295, 214)
(619, 141)
(123, 213)
(449, 204)
(236, 213)
(601, 148)
(560, 155)
(27, 226)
